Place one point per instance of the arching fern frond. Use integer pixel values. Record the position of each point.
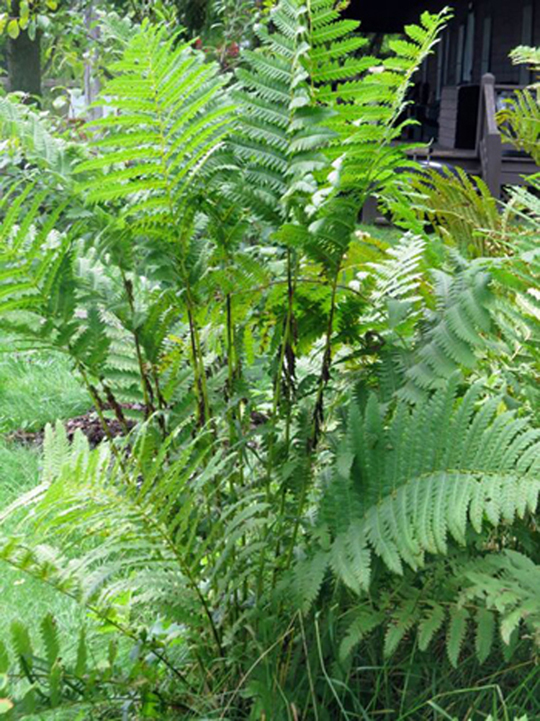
(520, 119)
(282, 132)
(29, 132)
(525, 55)
(461, 604)
(460, 208)
(520, 122)
(508, 585)
(424, 476)
(170, 114)
(454, 334)
(367, 111)
(138, 526)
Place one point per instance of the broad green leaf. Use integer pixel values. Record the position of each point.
(13, 29)
(5, 706)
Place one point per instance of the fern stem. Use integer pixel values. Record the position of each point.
(230, 365)
(291, 285)
(98, 404)
(287, 336)
(115, 405)
(318, 412)
(199, 371)
(192, 582)
(146, 385)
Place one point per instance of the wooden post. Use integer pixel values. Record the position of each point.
(489, 141)
(494, 166)
(369, 211)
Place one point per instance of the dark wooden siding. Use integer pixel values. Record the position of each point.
(506, 33)
(507, 26)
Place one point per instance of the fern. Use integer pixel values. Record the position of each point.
(29, 133)
(169, 117)
(520, 120)
(140, 525)
(493, 595)
(44, 678)
(304, 96)
(369, 116)
(524, 54)
(461, 209)
(434, 471)
(507, 584)
(282, 131)
(430, 322)
(206, 276)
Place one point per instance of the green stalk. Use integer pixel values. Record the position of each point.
(230, 367)
(98, 404)
(317, 419)
(318, 412)
(199, 370)
(287, 335)
(146, 385)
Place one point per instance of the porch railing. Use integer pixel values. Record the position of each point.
(488, 138)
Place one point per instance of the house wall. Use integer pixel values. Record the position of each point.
(494, 28)
(499, 26)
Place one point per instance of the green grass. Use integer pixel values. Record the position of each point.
(20, 596)
(35, 389)
(387, 233)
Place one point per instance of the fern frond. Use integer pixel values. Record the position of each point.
(29, 133)
(461, 208)
(171, 116)
(426, 476)
(508, 585)
(520, 122)
(455, 334)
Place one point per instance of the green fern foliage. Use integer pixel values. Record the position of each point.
(28, 133)
(282, 131)
(492, 599)
(315, 440)
(508, 585)
(44, 677)
(520, 122)
(95, 490)
(368, 109)
(520, 119)
(461, 208)
(524, 54)
(420, 483)
(36, 259)
(425, 476)
(455, 334)
(169, 115)
(431, 321)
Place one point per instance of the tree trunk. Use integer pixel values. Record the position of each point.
(24, 64)
(91, 80)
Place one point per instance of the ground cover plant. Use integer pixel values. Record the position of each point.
(316, 496)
